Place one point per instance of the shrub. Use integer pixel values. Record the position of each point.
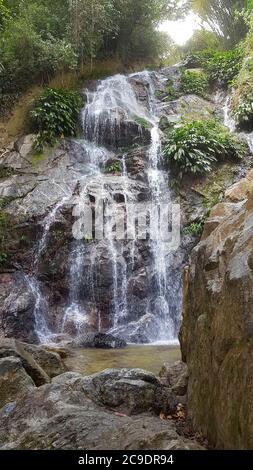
(244, 113)
(193, 148)
(171, 92)
(55, 115)
(221, 67)
(194, 82)
(142, 122)
(195, 228)
(114, 167)
(199, 59)
(242, 102)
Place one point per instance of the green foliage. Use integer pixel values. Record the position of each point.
(202, 40)
(195, 229)
(5, 172)
(172, 94)
(55, 115)
(40, 38)
(194, 148)
(194, 82)
(29, 52)
(244, 113)
(223, 19)
(221, 67)
(114, 167)
(142, 122)
(243, 85)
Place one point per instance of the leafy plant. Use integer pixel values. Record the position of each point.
(114, 167)
(5, 172)
(172, 94)
(244, 112)
(142, 122)
(193, 148)
(221, 67)
(55, 115)
(194, 82)
(195, 229)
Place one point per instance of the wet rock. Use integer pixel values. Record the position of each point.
(188, 106)
(241, 190)
(142, 331)
(175, 376)
(14, 381)
(141, 89)
(167, 122)
(131, 391)
(49, 361)
(217, 333)
(16, 307)
(100, 340)
(12, 348)
(62, 415)
(135, 163)
(115, 129)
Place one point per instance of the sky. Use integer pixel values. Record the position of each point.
(182, 30)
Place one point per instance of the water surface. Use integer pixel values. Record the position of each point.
(148, 357)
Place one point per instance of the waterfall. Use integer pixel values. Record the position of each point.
(122, 282)
(113, 102)
(41, 307)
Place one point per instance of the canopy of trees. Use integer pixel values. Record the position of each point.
(222, 17)
(39, 38)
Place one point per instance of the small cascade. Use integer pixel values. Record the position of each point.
(41, 307)
(229, 122)
(108, 109)
(75, 314)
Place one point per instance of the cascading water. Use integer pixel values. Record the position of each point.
(113, 103)
(120, 282)
(41, 307)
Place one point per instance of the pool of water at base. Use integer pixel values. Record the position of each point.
(148, 357)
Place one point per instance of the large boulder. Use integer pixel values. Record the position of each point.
(99, 341)
(14, 381)
(131, 391)
(217, 330)
(49, 361)
(60, 415)
(12, 348)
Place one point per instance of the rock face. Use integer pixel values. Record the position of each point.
(14, 381)
(176, 376)
(217, 330)
(39, 363)
(12, 348)
(49, 361)
(130, 391)
(67, 414)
